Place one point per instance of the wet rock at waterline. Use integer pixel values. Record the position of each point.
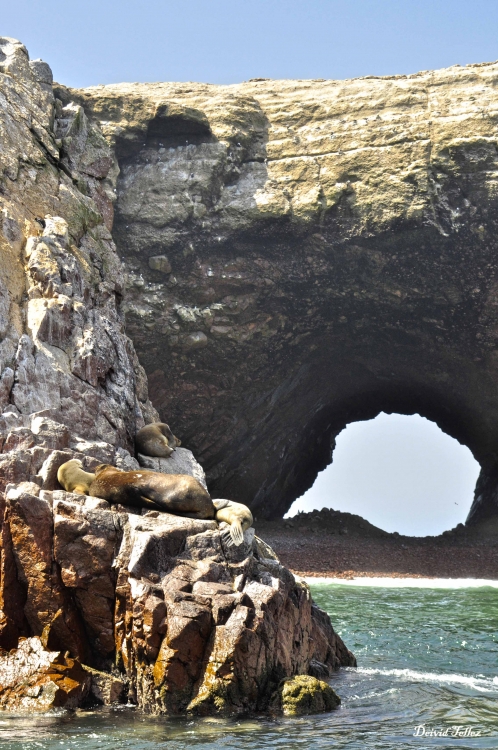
(332, 247)
(35, 679)
(303, 695)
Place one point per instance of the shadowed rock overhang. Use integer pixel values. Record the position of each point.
(303, 254)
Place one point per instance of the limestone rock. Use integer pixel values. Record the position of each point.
(303, 695)
(181, 461)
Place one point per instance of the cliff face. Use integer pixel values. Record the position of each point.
(303, 254)
(70, 382)
(175, 618)
(64, 355)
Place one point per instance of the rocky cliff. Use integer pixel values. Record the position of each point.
(162, 604)
(99, 600)
(303, 254)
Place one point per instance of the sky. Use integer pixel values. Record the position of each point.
(407, 463)
(400, 473)
(228, 41)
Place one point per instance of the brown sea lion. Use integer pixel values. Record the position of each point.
(180, 494)
(237, 515)
(156, 440)
(73, 478)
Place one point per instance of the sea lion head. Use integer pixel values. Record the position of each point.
(73, 478)
(156, 439)
(173, 441)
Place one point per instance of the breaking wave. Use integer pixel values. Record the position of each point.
(481, 684)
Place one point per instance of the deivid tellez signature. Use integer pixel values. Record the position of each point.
(453, 730)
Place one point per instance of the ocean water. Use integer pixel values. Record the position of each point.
(427, 677)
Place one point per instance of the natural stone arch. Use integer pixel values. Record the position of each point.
(330, 252)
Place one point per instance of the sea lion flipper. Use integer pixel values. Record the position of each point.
(236, 532)
(219, 504)
(150, 503)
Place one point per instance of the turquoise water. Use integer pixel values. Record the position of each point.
(427, 657)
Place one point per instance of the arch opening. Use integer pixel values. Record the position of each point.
(400, 472)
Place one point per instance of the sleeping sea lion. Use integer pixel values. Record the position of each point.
(156, 440)
(180, 494)
(73, 478)
(237, 515)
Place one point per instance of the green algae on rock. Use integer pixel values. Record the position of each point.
(303, 694)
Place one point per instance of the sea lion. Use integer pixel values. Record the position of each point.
(156, 440)
(73, 478)
(180, 494)
(237, 515)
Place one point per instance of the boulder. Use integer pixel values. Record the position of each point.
(303, 694)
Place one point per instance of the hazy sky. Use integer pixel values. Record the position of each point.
(411, 474)
(226, 41)
(401, 473)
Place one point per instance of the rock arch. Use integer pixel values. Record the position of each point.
(330, 253)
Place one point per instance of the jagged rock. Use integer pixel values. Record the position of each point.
(181, 461)
(34, 679)
(190, 622)
(303, 694)
(106, 688)
(263, 551)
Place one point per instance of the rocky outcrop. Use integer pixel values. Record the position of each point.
(303, 254)
(193, 623)
(95, 599)
(71, 384)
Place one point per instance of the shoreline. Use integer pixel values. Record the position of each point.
(322, 548)
(401, 582)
